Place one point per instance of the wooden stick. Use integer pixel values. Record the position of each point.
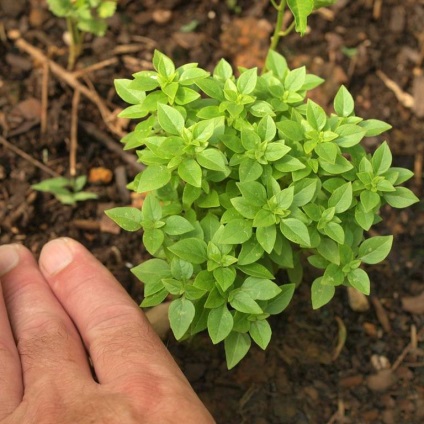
(74, 135)
(27, 157)
(67, 77)
(97, 66)
(44, 99)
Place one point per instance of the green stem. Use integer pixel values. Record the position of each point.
(76, 42)
(277, 31)
(289, 29)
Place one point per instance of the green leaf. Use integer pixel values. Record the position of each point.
(327, 151)
(263, 218)
(261, 332)
(341, 198)
(295, 79)
(181, 314)
(144, 81)
(220, 323)
(266, 128)
(291, 130)
(152, 178)
(212, 88)
(223, 70)
(254, 192)
(321, 294)
(266, 237)
(185, 96)
(277, 64)
(381, 159)
(191, 172)
(236, 347)
(369, 200)
(296, 231)
(132, 97)
(191, 75)
(401, 198)
(181, 270)
(190, 249)
(176, 225)
(255, 270)
(335, 232)
(246, 83)
(333, 276)
(359, 279)
(374, 127)
(152, 271)
(236, 231)
(363, 218)
(349, 135)
(249, 170)
(301, 9)
(212, 159)
(281, 301)
(251, 252)
(152, 209)
(154, 299)
(343, 102)
(241, 301)
(316, 115)
(224, 277)
(170, 119)
(375, 249)
(260, 288)
(153, 239)
(304, 191)
(126, 217)
(163, 64)
(276, 150)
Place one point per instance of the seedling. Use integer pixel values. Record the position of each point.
(67, 190)
(82, 16)
(246, 177)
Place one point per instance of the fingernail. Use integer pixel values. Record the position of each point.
(57, 254)
(9, 258)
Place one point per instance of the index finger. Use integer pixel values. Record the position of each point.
(120, 340)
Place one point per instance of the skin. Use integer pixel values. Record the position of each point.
(58, 313)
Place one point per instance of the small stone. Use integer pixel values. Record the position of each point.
(162, 16)
(414, 304)
(158, 318)
(100, 175)
(358, 302)
(370, 329)
(351, 381)
(380, 362)
(381, 381)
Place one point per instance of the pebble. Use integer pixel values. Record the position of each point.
(162, 16)
(413, 304)
(381, 381)
(358, 302)
(380, 362)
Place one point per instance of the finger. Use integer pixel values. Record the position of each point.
(117, 335)
(11, 390)
(48, 343)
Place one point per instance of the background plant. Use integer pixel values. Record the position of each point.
(82, 16)
(67, 190)
(245, 177)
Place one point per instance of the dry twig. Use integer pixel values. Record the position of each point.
(74, 135)
(44, 99)
(67, 77)
(405, 98)
(27, 157)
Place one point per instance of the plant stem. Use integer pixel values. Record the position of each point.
(277, 31)
(76, 43)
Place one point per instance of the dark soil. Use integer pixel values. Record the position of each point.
(298, 379)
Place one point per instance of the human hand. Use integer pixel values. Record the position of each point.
(56, 314)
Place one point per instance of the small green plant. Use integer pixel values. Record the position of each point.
(82, 16)
(246, 177)
(67, 190)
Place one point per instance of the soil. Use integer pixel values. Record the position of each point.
(303, 377)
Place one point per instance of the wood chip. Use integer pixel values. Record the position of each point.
(358, 302)
(418, 94)
(381, 381)
(414, 304)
